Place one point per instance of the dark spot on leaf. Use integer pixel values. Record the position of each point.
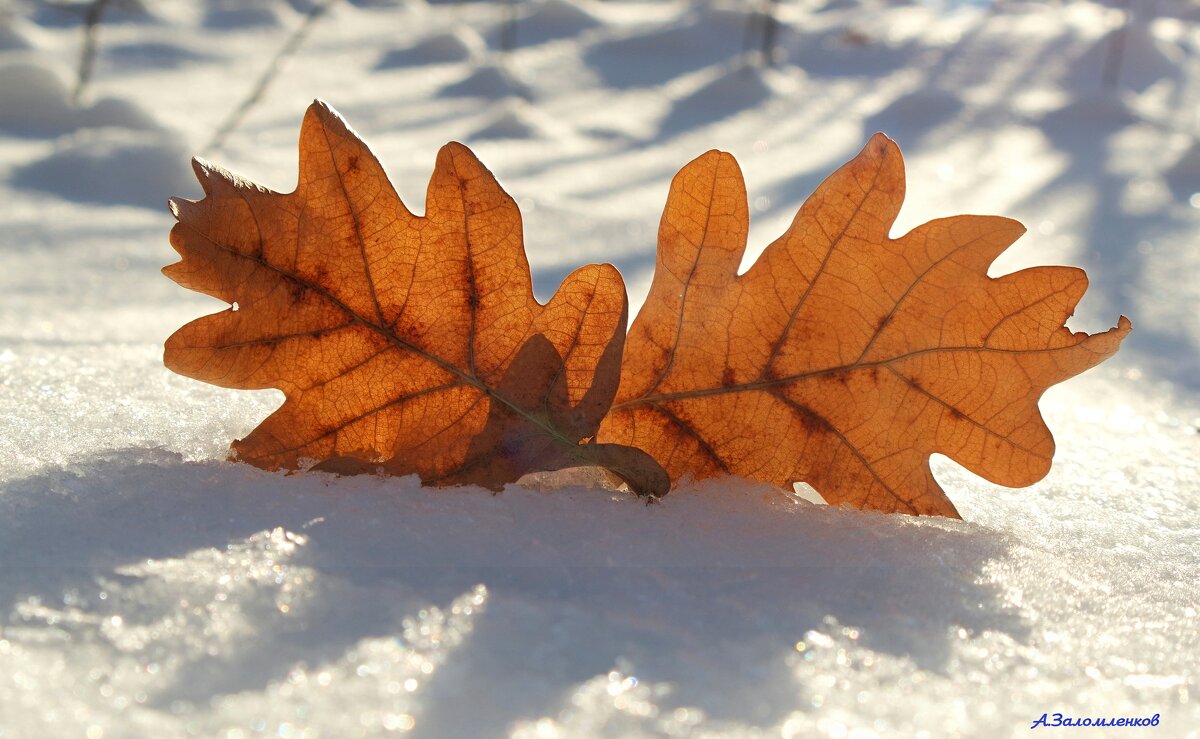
(841, 377)
(809, 420)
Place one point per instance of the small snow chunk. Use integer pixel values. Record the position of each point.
(804, 491)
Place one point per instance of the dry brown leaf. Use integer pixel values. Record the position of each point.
(844, 358)
(402, 343)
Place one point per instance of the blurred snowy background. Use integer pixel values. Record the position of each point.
(148, 588)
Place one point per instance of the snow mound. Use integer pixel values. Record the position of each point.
(724, 20)
(554, 19)
(233, 14)
(111, 166)
(911, 117)
(1102, 111)
(116, 113)
(488, 81)
(154, 55)
(14, 31)
(842, 52)
(1144, 60)
(516, 120)
(154, 645)
(36, 103)
(661, 55)
(458, 45)
(728, 93)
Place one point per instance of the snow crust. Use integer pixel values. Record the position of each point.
(149, 588)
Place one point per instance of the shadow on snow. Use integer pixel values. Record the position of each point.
(577, 579)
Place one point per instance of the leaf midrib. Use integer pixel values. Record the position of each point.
(777, 381)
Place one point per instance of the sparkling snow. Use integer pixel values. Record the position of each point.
(148, 588)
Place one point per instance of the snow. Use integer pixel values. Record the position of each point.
(550, 20)
(458, 45)
(488, 81)
(37, 104)
(515, 120)
(148, 587)
(110, 167)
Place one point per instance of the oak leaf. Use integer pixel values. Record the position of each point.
(843, 358)
(403, 343)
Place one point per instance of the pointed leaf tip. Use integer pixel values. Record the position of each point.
(844, 358)
(394, 337)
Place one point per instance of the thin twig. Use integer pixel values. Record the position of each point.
(764, 24)
(508, 31)
(87, 55)
(289, 48)
(752, 19)
(770, 32)
(1116, 49)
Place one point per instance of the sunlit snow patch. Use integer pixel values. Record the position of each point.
(196, 644)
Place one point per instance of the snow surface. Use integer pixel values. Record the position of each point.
(150, 588)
